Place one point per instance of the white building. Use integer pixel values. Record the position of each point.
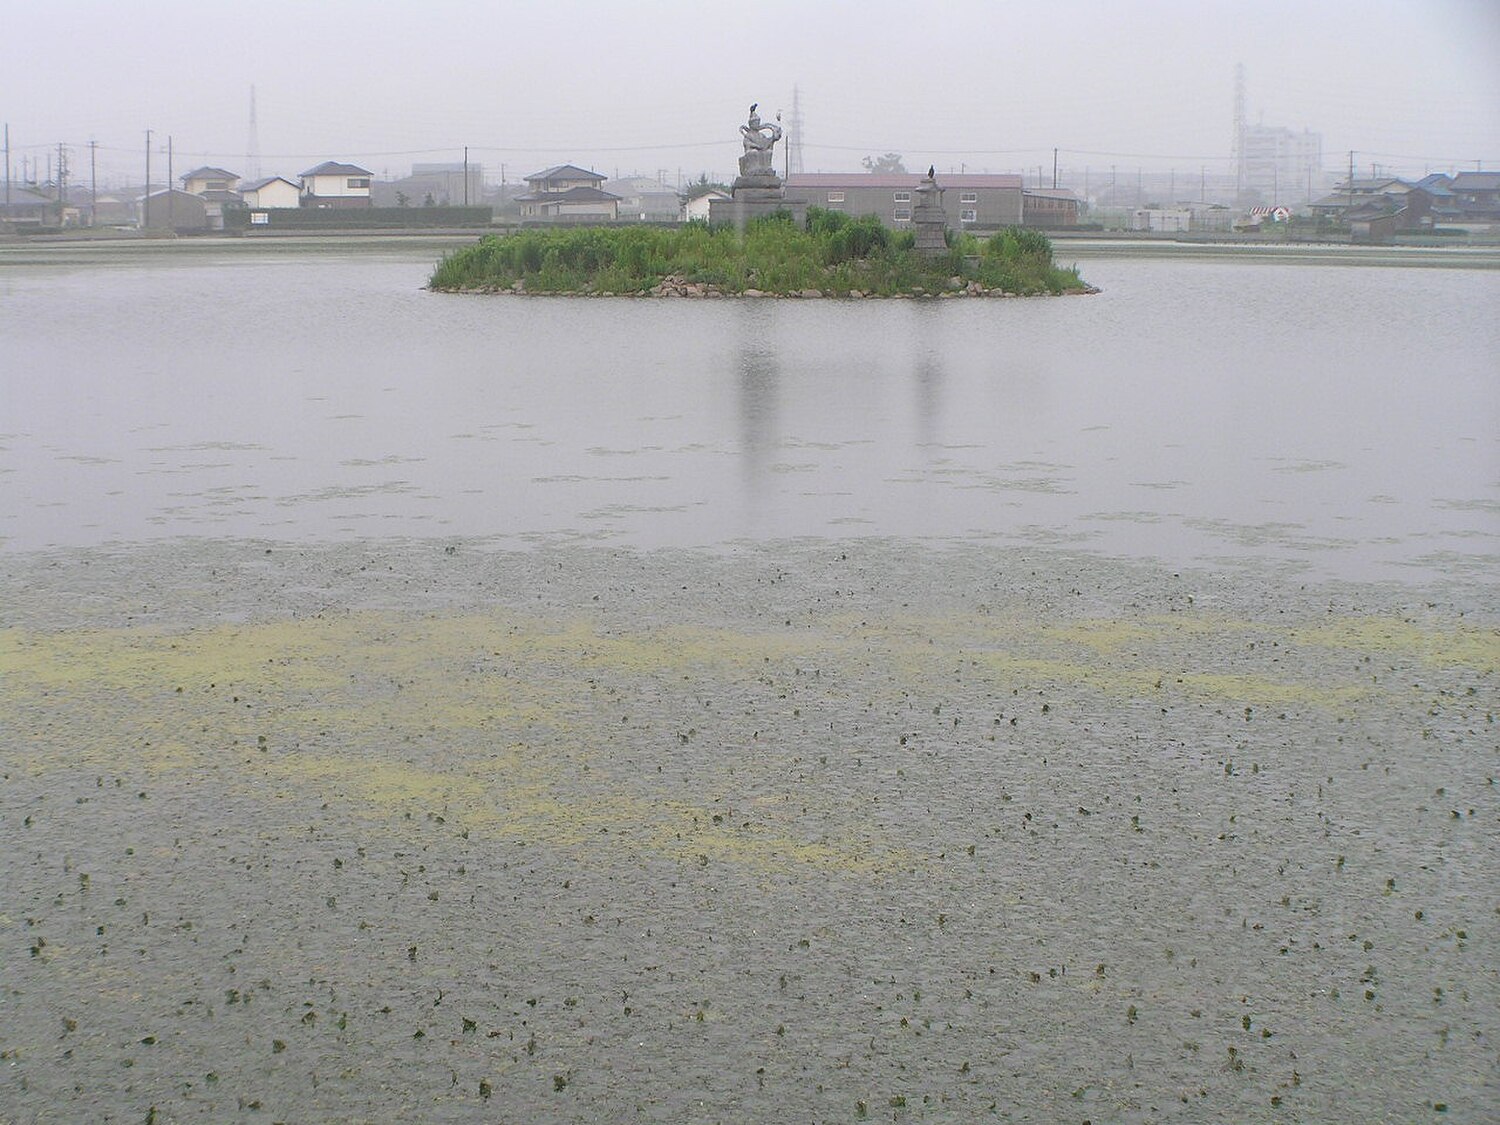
(697, 208)
(1277, 165)
(202, 181)
(1162, 220)
(273, 191)
(332, 184)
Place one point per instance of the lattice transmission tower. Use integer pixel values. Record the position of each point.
(1240, 177)
(794, 135)
(252, 144)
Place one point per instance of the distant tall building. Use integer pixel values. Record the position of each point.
(1273, 164)
(1279, 166)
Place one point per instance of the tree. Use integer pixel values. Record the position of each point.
(890, 163)
(702, 186)
(402, 199)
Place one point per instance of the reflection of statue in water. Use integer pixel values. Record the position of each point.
(759, 137)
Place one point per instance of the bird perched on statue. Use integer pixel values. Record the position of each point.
(932, 171)
(754, 106)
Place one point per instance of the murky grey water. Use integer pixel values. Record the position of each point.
(907, 798)
(1342, 419)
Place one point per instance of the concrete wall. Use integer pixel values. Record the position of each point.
(992, 207)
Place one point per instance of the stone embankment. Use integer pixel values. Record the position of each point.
(675, 285)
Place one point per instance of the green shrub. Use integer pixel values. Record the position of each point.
(821, 220)
(832, 253)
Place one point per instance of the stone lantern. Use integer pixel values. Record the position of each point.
(928, 218)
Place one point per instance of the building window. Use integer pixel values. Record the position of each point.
(903, 197)
(901, 215)
(835, 197)
(969, 197)
(968, 215)
(358, 181)
(216, 185)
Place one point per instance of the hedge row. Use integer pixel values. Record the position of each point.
(342, 218)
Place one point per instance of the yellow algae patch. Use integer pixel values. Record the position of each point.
(526, 803)
(1460, 645)
(1134, 680)
(672, 648)
(1110, 635)
(379, 783)
(1259, 689)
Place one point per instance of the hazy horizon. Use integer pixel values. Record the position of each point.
(661, 89)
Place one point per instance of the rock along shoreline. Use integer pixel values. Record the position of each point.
(675, 286)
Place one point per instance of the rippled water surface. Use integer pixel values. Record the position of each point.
(1333, 417)
(452, 709)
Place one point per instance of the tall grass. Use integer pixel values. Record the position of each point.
(831, 253)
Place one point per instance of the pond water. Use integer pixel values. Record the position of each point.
(1032, 731)
(1326, 417)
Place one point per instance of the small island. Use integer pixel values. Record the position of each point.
(830, 255)
(760, 243)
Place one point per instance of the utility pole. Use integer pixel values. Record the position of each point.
(170, 181)
(466, 175)
(146, 199)
(62, 182)
(93, 183)
(7, 163)
(1054, 169)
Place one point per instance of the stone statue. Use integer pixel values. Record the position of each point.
(758, 137)
(758, 191)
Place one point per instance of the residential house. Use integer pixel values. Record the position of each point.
(972, 201)
(218, 189)
(1473, 201)
(207, 181)
(646, 200)
(1379, 206)
(566, 193)
(271, 192)
(332, 184)
(27, 207)
(1375, 220)
(697, 208)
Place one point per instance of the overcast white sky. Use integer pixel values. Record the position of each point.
(640, 87)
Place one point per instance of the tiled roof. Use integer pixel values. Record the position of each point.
(572, 195)
(907, 180)
(207, 173)
(334, 168)
(258, 184)
(565, 172)
(1477, 181)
